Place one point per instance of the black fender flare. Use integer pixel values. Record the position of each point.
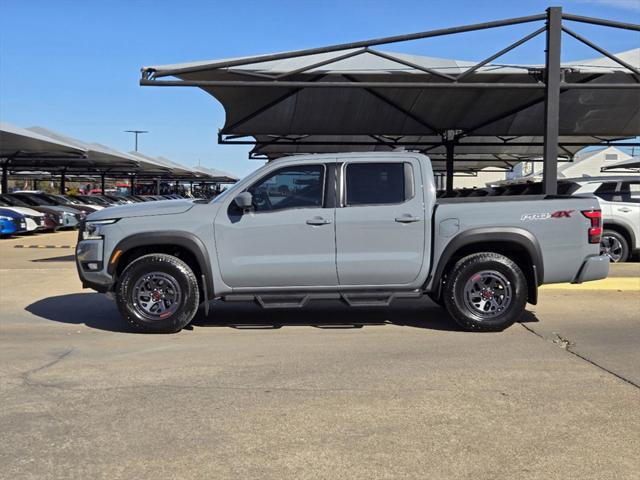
(185, 240)
(505, 235)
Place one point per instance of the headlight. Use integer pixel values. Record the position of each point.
(93, 230)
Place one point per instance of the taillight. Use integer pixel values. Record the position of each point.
(595, 231)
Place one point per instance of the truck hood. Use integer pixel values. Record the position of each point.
(146, 209)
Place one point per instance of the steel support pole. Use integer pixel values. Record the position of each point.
(552, 101)
(157, 186)
(5, 179)
(177, 187)
(132, 180)
(63, 179)
(102, 184)
(450, 146)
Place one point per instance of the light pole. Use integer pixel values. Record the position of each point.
(136, 133)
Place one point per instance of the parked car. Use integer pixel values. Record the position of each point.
(63, 201)
(11, 222)
(92, 200)
(364, 228)
(117, 199)
(53, 219)
(34, 220)
(620, 203)
(7, 226)
(70, 216)
(74, 202)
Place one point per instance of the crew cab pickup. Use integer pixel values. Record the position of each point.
(365, 228)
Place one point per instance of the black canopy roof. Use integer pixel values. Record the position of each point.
(353, 97)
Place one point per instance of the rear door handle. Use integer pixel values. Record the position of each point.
(318, 221)
(624, 209)
(406, 218)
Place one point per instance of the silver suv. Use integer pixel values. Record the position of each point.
(620, 204)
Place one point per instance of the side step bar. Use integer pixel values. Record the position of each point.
(299, 300)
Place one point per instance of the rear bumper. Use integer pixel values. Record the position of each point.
(595, 267)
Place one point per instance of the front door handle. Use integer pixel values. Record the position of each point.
(624, 209)
(318, 221)
(406, 218)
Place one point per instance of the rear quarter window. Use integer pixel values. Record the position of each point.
(607, 191)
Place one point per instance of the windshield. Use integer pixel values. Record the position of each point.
(222, 196)
(67, 199)
(14, 201)
(37, 200)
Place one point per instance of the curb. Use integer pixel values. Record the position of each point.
(621, 284)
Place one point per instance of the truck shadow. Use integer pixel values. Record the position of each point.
(97, 311)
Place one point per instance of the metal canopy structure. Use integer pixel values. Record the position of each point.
(218, 175)
(176, 170)
(462, 114)
(98, 158)
(21, 147)
(39, 152)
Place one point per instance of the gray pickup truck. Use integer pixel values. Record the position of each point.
(364, 228)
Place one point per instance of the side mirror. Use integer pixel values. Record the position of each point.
(244, 200)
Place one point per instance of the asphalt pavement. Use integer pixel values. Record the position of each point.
(322, 392)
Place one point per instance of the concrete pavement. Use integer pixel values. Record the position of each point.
(323, 392)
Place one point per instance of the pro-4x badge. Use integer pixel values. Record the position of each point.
(529, 217)
(562, 214)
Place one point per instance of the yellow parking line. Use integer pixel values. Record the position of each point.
(624, 284)
(42, 246)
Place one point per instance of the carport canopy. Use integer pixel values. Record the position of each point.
(99, 158)
(20, 147)
(217, 175)
(494, 126)
(175, 170)
(352, 97)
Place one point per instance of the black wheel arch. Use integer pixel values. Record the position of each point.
(623, 230)
(184, 245)
(518, 244)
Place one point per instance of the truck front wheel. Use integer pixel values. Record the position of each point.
(158, 293)
(485, 292)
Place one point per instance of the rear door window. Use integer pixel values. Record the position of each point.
(378, 183)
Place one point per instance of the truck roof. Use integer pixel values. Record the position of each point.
(321, 156)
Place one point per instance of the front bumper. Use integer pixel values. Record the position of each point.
(595, 267)
(91, 266)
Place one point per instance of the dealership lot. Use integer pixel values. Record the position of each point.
(323, 392)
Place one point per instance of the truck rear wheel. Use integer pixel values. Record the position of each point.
(485, 292)
(158, 293)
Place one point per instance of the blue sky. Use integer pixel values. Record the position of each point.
(73, 65)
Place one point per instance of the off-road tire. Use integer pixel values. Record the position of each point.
(463, 271)
(167, 264)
